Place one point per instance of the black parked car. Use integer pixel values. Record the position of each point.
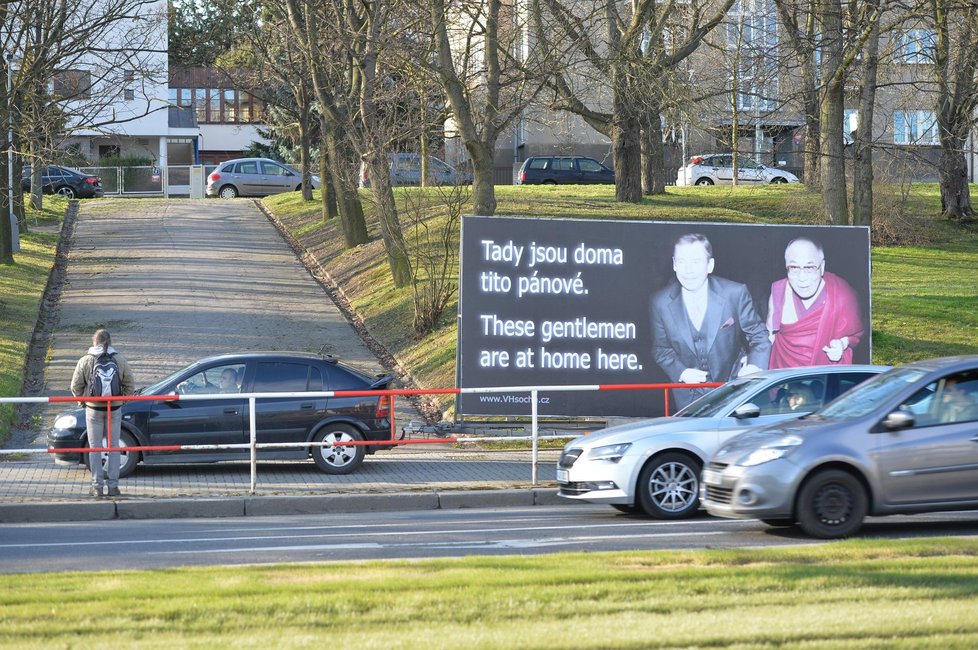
(563, 170)
(65, 181)
(226, 421)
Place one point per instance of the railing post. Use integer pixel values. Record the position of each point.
(254, 442)
(535, 432)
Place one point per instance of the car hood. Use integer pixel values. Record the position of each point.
(755, 438)
(635, 431)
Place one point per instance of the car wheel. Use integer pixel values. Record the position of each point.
(66, 192)
(779, 181)
(704, 181)
(228, 192)
(669, 485)
(338, 459)
(779, 523)
(832, 504)
(628, 509)
(127, 460)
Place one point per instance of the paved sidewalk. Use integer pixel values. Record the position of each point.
(37, 489)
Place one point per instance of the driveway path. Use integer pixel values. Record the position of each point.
(177, 280)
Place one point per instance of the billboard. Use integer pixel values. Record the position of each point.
(545, 302)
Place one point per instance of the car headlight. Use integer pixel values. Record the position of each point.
(611, 453)
(772, 451)
(66, 422)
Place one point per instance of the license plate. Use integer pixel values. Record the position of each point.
(562, 476)
(711, 477)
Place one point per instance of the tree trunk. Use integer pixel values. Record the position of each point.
(347, 195)
(831, 161)
(953, 170)
(653, 156)
(862, 173)
(483, 187)
(6, 233)
(328, 192)
(304, 147)
(390, 227)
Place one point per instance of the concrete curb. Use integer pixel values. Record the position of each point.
(271, 506)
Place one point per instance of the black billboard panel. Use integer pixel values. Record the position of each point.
(557, 302)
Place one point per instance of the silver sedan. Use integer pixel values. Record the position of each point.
(653, 466)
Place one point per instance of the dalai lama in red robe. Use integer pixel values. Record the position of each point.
(813, 315)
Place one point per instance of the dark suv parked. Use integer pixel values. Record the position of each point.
(226, 421)
(65, 181)
(563, 170)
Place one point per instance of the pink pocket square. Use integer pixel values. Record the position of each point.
(727, 323)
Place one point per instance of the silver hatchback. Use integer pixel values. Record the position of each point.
(905, 441)
(254, 177)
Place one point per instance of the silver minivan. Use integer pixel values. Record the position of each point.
(406, 171)
(254, 177)
(905, 441)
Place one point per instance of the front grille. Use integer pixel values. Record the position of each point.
(719, 494)
(574, 489)
(718, 467)
(569, 457)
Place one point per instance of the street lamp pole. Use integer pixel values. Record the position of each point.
(14, 230)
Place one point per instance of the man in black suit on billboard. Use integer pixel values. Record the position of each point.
(705, 328)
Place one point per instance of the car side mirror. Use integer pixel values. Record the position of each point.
(899, 419)
(747, 410)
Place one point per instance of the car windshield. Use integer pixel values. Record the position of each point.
(721, 399)
(161, 385)
(866, 397)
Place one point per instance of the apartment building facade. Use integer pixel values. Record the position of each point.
(744, 75)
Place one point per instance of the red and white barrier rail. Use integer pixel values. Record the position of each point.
(253, 445)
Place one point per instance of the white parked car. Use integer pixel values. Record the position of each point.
(717, 169)
(653, 466)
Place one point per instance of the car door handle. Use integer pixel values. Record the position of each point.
(231, 411)
(306, 406)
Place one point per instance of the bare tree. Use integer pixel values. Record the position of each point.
(309, 24)
(633, 47)
(82, 52)
(863, 142)
(956, 74)
(480, 63)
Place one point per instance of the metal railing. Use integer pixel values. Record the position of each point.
(253, 445)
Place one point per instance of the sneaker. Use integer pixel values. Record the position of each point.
(114, 492)
(96, 491)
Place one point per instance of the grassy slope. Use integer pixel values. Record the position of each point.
(857, 594)
(923, 299)
(21, 287)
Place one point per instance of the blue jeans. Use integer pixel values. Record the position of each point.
(95, 424)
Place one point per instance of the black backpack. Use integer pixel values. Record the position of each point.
(105, 381)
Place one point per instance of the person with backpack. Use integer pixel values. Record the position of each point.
(102, 372)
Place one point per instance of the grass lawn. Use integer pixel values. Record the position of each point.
(21, 287)
(924, 302)
(856, 594)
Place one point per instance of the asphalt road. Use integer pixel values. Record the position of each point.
(163, 543)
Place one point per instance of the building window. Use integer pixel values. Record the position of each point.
(214, 106)
(128, 76)
(129, 94)
(244, 107)
(230, 106)
(200, 104)
(915, 46)
(752, 35)
(850, 122)
(915, 127)
(173, 98)
(72, 84)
